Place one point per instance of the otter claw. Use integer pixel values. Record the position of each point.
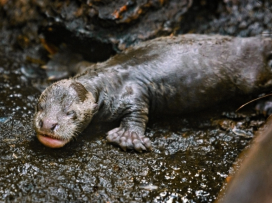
(129, 140)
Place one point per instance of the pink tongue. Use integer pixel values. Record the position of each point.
(51, 142)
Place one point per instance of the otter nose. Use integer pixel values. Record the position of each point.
(48, 124)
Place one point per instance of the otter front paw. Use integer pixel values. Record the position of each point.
(264, 107)
(129, 139)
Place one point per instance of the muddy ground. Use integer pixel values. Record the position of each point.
(192, 154)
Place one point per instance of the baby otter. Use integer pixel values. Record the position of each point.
(165, 75)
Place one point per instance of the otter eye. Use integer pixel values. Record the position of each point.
(71, 114)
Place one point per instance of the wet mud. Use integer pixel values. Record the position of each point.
(192, 154)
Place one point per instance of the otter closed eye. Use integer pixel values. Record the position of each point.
(165, 75)
(72, 114)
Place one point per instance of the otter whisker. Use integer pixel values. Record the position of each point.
(253, 100)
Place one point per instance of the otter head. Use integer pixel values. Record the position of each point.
(64, 109)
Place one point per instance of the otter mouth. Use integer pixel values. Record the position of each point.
(51, 141)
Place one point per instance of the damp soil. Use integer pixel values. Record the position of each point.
(192, 154)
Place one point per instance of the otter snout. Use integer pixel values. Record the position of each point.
(46, 133)
(48, 125)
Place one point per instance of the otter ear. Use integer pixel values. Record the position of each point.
(80, 90)
(90, 108)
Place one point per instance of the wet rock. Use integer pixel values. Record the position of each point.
(122, 22)
(95, 29)
(232, 17)
(252, 180)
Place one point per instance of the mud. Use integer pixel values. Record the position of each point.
(192, 155)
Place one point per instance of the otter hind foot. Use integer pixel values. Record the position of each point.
(129, 139)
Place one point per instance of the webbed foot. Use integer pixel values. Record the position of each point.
(129, 139)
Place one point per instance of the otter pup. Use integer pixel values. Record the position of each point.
(165, 75)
